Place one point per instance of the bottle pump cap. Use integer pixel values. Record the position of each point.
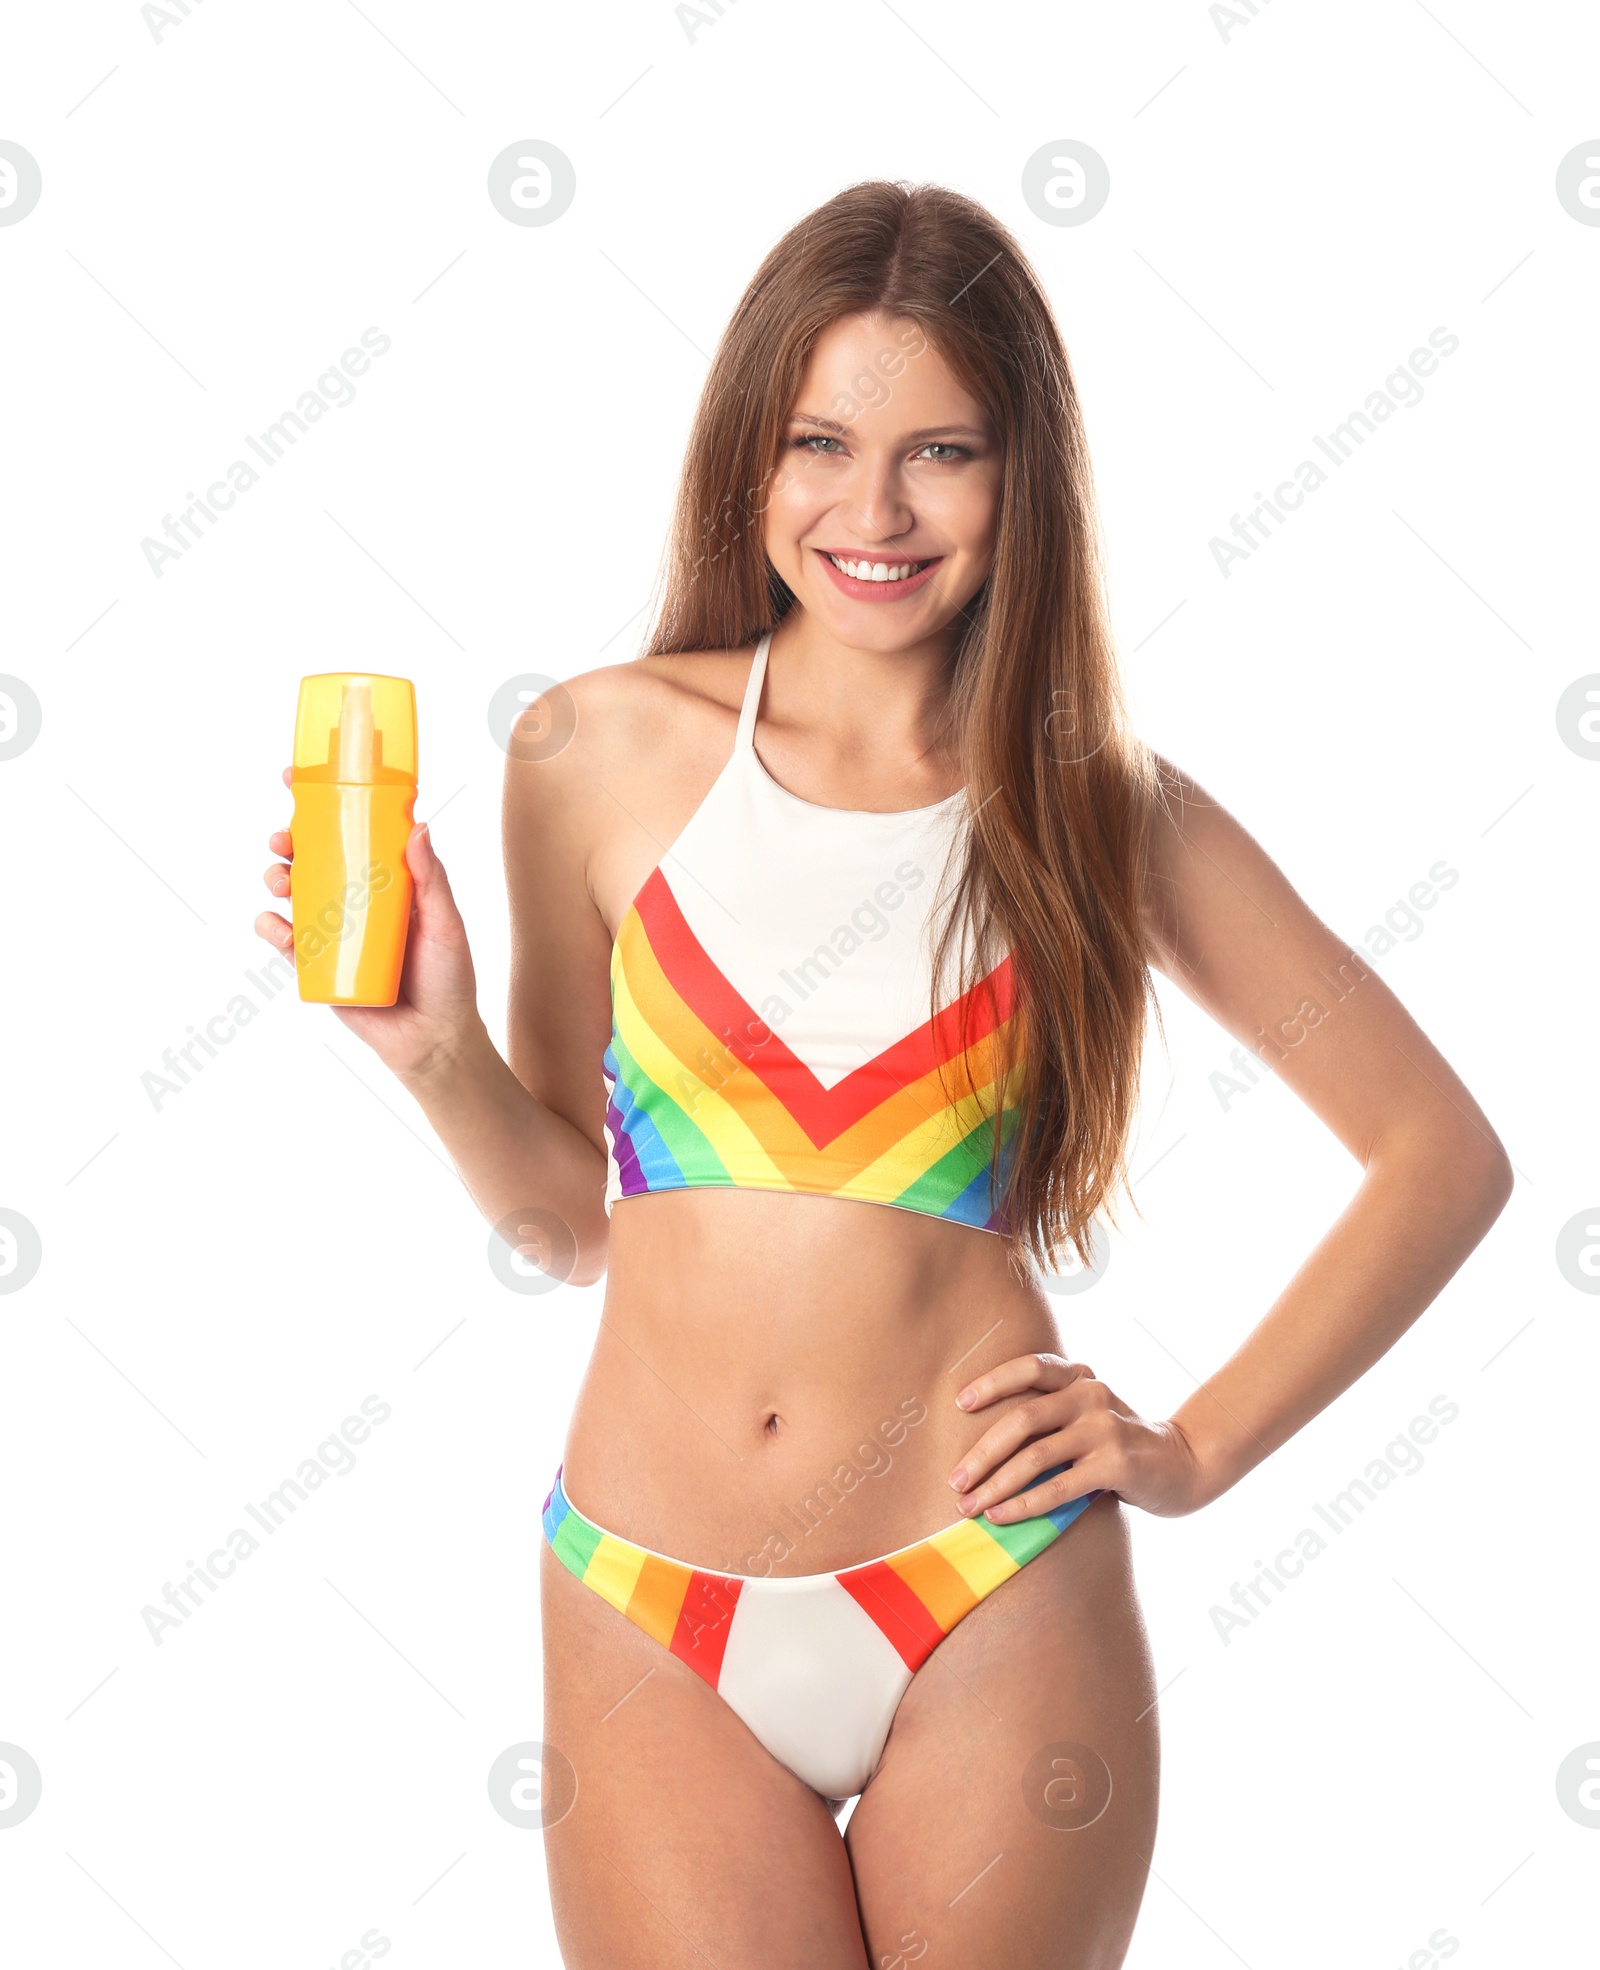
(356, 729)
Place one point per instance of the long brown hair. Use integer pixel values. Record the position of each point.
(1060, 788)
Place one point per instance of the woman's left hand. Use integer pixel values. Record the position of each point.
(1070, 1417)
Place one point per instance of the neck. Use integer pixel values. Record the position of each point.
(888, 704)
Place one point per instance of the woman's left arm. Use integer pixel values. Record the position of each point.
(1227, 927)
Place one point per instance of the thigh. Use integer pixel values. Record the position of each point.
(688, 1844)
(1011, 1820)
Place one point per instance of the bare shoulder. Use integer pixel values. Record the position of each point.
(626, 717)
(605, 767)
(651, 703)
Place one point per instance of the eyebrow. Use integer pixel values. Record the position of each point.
(911, 437)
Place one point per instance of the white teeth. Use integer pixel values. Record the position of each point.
(875, 570)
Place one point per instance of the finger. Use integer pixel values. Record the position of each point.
(277, 879)
(431, 893)
(1046, 1412)
(276, 931)
(281, 842)
(1022, 1371)
(288, 776)
(1024, 1488)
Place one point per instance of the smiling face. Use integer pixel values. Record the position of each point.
(886, 498)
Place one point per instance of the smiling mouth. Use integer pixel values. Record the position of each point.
(863, 568)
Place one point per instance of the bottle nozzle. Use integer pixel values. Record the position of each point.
(356, 731)
(356, 727)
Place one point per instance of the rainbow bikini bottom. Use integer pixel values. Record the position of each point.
(814, 1663)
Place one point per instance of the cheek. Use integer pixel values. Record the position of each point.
(968, 514)
(798, 500)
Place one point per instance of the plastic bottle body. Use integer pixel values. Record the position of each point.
(351, 891)
(354, 782)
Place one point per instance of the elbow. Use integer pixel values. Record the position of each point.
(1465, 1171)
(1503, 1181)
(589, 1270)
(1484, 1178)
(593, 1255)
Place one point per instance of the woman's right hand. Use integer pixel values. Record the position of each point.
(436, 1012)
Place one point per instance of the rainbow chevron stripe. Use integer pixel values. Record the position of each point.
(701, 1091)
(686, 1610)
(913, 1596)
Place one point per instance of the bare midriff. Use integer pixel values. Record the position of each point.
(772, 1390)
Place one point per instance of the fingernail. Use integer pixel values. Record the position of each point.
(966, 1398)
(958, 1477)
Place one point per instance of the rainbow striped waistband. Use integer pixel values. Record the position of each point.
(915, 1594)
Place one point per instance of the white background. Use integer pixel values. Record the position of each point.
(1295, 204)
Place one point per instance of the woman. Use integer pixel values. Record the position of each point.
(845, 895)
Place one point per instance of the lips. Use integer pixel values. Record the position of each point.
(880, 591)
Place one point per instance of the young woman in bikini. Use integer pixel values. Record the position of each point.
(844, 896)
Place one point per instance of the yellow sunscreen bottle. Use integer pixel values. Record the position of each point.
(355, 784)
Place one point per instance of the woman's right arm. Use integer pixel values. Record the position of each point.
(526, 1136)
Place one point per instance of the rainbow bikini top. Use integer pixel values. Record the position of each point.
(770, 995)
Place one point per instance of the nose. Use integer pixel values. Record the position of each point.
(878, 500)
